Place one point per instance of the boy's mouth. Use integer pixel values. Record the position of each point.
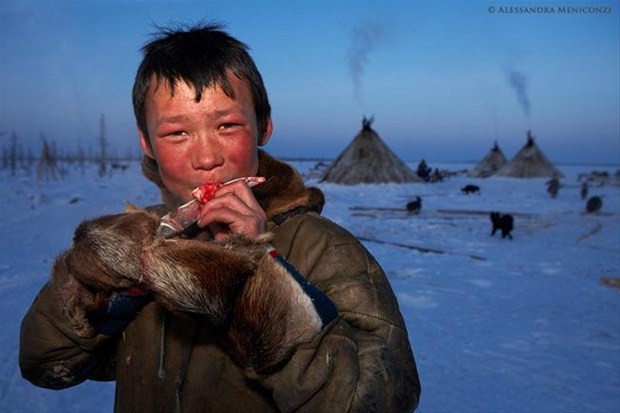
(187, 214)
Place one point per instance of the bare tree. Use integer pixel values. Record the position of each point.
(81, 158)
(13, 154)
(103, 157)
(48, 168)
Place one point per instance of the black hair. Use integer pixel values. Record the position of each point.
(200, 55)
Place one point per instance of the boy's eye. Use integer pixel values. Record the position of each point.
(224, 126)
(177, 133)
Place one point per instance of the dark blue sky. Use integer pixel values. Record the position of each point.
(443, 79)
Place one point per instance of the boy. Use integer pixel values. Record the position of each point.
(219, 318)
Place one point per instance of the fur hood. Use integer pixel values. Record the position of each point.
(282, 195)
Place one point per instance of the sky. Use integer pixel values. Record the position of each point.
(444, 80)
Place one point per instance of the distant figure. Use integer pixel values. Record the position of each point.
(553, 186)
(594, 204)
(415, 206)
(424, 171)
(504, 222)
(584, 190)
(436, 177)
(470, 189)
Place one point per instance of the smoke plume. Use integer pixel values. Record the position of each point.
(364, 38)
(518, 82)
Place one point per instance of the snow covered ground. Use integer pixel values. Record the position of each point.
(497, 325)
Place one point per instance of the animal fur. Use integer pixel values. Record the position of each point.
(118, 252)
(503, 222)
(105, 257)
(470, 189)
(239, 284)
(415, 206)
(201, 277)
(271, 317)
(236, 284)
(106, 252)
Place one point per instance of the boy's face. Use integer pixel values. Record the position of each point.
(214, 140)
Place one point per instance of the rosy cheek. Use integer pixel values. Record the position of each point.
(244, 159)
(174, 172)
(168, 164)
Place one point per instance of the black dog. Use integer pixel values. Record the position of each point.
(470, 189)
(415, 206)
(594, 204)
(503, 222)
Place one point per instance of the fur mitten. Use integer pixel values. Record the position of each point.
(201, 277)
(103, 261)
(106, 252)
(277, 311)
(265, 305)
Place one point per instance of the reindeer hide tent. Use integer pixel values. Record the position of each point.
(530, 162)
(490, 164)
(367, 159)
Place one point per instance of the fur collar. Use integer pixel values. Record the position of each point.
(283, 194)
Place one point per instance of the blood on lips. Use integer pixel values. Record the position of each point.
(205, 193)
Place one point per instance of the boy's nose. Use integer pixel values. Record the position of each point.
(205, 155)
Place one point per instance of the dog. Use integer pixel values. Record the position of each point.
(503, 222)
(594, 204)
(415, 206)
(470, 189)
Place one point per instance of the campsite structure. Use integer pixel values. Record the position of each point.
(530, 162)
(367, 159)
(490, 164)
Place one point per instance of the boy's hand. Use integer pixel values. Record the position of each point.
(233, 210)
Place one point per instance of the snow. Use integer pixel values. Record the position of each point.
(497, 325)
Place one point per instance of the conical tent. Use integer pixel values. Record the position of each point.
(490, 164)
(530, 162)
(368, 159)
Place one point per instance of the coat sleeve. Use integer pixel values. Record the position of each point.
(51, 355)
(62, 342)
(69, 333)
(362, 362)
